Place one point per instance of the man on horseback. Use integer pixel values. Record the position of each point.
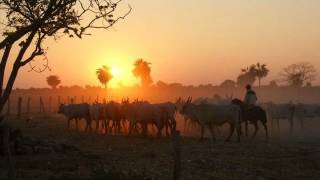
(250, 98)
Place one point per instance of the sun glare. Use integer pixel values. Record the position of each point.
(115, 71)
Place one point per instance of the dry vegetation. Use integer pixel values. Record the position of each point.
(108, 157)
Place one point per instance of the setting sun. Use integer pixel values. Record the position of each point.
(115, 72)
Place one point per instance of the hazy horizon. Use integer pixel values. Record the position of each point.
(190, 42)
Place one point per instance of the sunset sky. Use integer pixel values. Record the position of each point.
(191, 42)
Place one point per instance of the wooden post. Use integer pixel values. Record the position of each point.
(59, 100)
(82, 99)
(89, 99)
(50, 101)
(68, 100)
(28, 105)
(41, 107)
(177, 155)
(19, 107)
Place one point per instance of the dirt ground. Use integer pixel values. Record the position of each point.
(281, 157)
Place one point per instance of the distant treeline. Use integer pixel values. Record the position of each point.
(51, 98)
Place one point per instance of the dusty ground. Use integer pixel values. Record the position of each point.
(282, 157)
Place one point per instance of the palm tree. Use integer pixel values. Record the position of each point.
(247, 76)
(104, 75)
(142, 70)
(261, 71)
(53, 81)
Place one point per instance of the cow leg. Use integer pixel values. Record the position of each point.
(130, 128)
(211, 129)
(202, 132)
(159, 131)
(238, 132)
(255, 130)
(77, 125)
(291, 125)
(231, 132)
(278, 123)
(69, 120)
(97, 125)
(144, 129)
(302, 123)
(89, 125)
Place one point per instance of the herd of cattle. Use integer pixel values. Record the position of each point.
(138, 117)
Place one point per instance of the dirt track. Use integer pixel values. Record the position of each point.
(297, 157)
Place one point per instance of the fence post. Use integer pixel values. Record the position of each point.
(82, 99)
(41, 109)
(177, 155)
(68, 100)
(28, 105)
(19, 107)
(50, 99)
(59, 100)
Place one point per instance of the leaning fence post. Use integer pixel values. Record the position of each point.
(19, 107)
(177, 155)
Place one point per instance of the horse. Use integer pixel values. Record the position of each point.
(252, 115)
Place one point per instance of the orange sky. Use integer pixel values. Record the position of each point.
(192, 42)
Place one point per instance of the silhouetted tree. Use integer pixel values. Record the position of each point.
(298, 74)
(142, 70)
(247, 76)
(104, 75)
(25, 25)
(53, 81)
(261, 71)
(228, 84)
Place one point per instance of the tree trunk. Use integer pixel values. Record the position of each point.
(259, 82)
(4, 97)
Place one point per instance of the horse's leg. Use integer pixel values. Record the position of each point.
(231, 132)
(266, 129)
(255, 129)
(246, 127)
